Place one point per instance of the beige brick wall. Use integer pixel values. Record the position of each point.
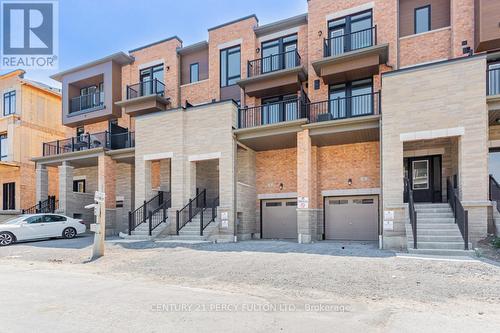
(190, 134)
(438, 98)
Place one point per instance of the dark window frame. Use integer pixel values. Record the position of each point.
(347, 25)
(228, 51)
(2, 156)
(415, 19)
(10, 95)
(9, 196)
(75, 185)
(197, 64)
(348, 87)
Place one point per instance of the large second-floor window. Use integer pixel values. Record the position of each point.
(4, 147)
(152, 80)
(230, 66)
(279, 54)
(423, 19)
(351, 99)
(350, 33)
(9, 103)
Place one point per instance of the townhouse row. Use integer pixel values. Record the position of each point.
(307, 128)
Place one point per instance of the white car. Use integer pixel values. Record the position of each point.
(37, 226)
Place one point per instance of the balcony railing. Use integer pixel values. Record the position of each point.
(86, 102)
(338, 45)
(89, 141)
(146, 88)
(273, 63)
(493, 81)
(271, 113)
(342, 108)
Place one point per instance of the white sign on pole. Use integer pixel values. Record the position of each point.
(388, 225)
(99, 196)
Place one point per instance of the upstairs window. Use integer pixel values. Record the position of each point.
(230, 66)
(9, 103)
(194, 73)
(4, 147)
(423, 19)
(152, 80)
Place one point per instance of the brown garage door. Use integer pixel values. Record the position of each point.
(351, 218)
(279, 219)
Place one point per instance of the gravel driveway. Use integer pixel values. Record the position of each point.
(381, 287)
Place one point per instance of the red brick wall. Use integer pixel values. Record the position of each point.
(166, 51)
(274, 167)
(384, 16)
(239, 30)
(421, 48)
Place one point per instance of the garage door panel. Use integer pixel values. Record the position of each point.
(279, 219)
(351, 218)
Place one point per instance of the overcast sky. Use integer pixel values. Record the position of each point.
(92, 29)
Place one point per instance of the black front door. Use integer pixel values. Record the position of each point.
(9, 196)
(424, 174)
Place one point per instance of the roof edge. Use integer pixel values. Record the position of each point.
(155, 43)
(192, 47)
(234, 21)
(281, 25)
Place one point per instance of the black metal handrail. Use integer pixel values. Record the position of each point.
(158, 216)
(213, 208)
(271, 113)
(87, 102)
(50, 205)
(495, 192)
(273, 63)
(89, 141)
(194, 206)
(146, 88)
(346, 107)
(461, 215)
(139, 215)
(361, 39)
(411, 210)
(493, 82)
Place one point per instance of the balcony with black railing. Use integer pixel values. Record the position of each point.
(276, 74)
(273, 63)
(145, 97)
(351, 56)
(271, 113)
(146, 88)
(87, 103)
(89, 141)
(357, 40)
(344, 108)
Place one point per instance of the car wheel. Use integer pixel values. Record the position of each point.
(6, 238)
(69, 233)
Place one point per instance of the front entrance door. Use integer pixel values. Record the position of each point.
(424, 174)
(9, 196)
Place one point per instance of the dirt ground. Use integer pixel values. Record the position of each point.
(367, 288)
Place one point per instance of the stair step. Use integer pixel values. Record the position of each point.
(438, 245)
(435, 220)
(441, 252)
(182, 237)
(440, 215)
(438, 238)
(437, 226)
(432, 205)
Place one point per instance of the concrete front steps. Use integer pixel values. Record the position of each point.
(142, 232)
(191, 231)
(437, 233)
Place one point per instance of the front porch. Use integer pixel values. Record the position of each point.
(81, 174)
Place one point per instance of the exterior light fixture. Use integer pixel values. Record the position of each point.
(320, 33)
(281, 186)
(349, 181)
(257, 50)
